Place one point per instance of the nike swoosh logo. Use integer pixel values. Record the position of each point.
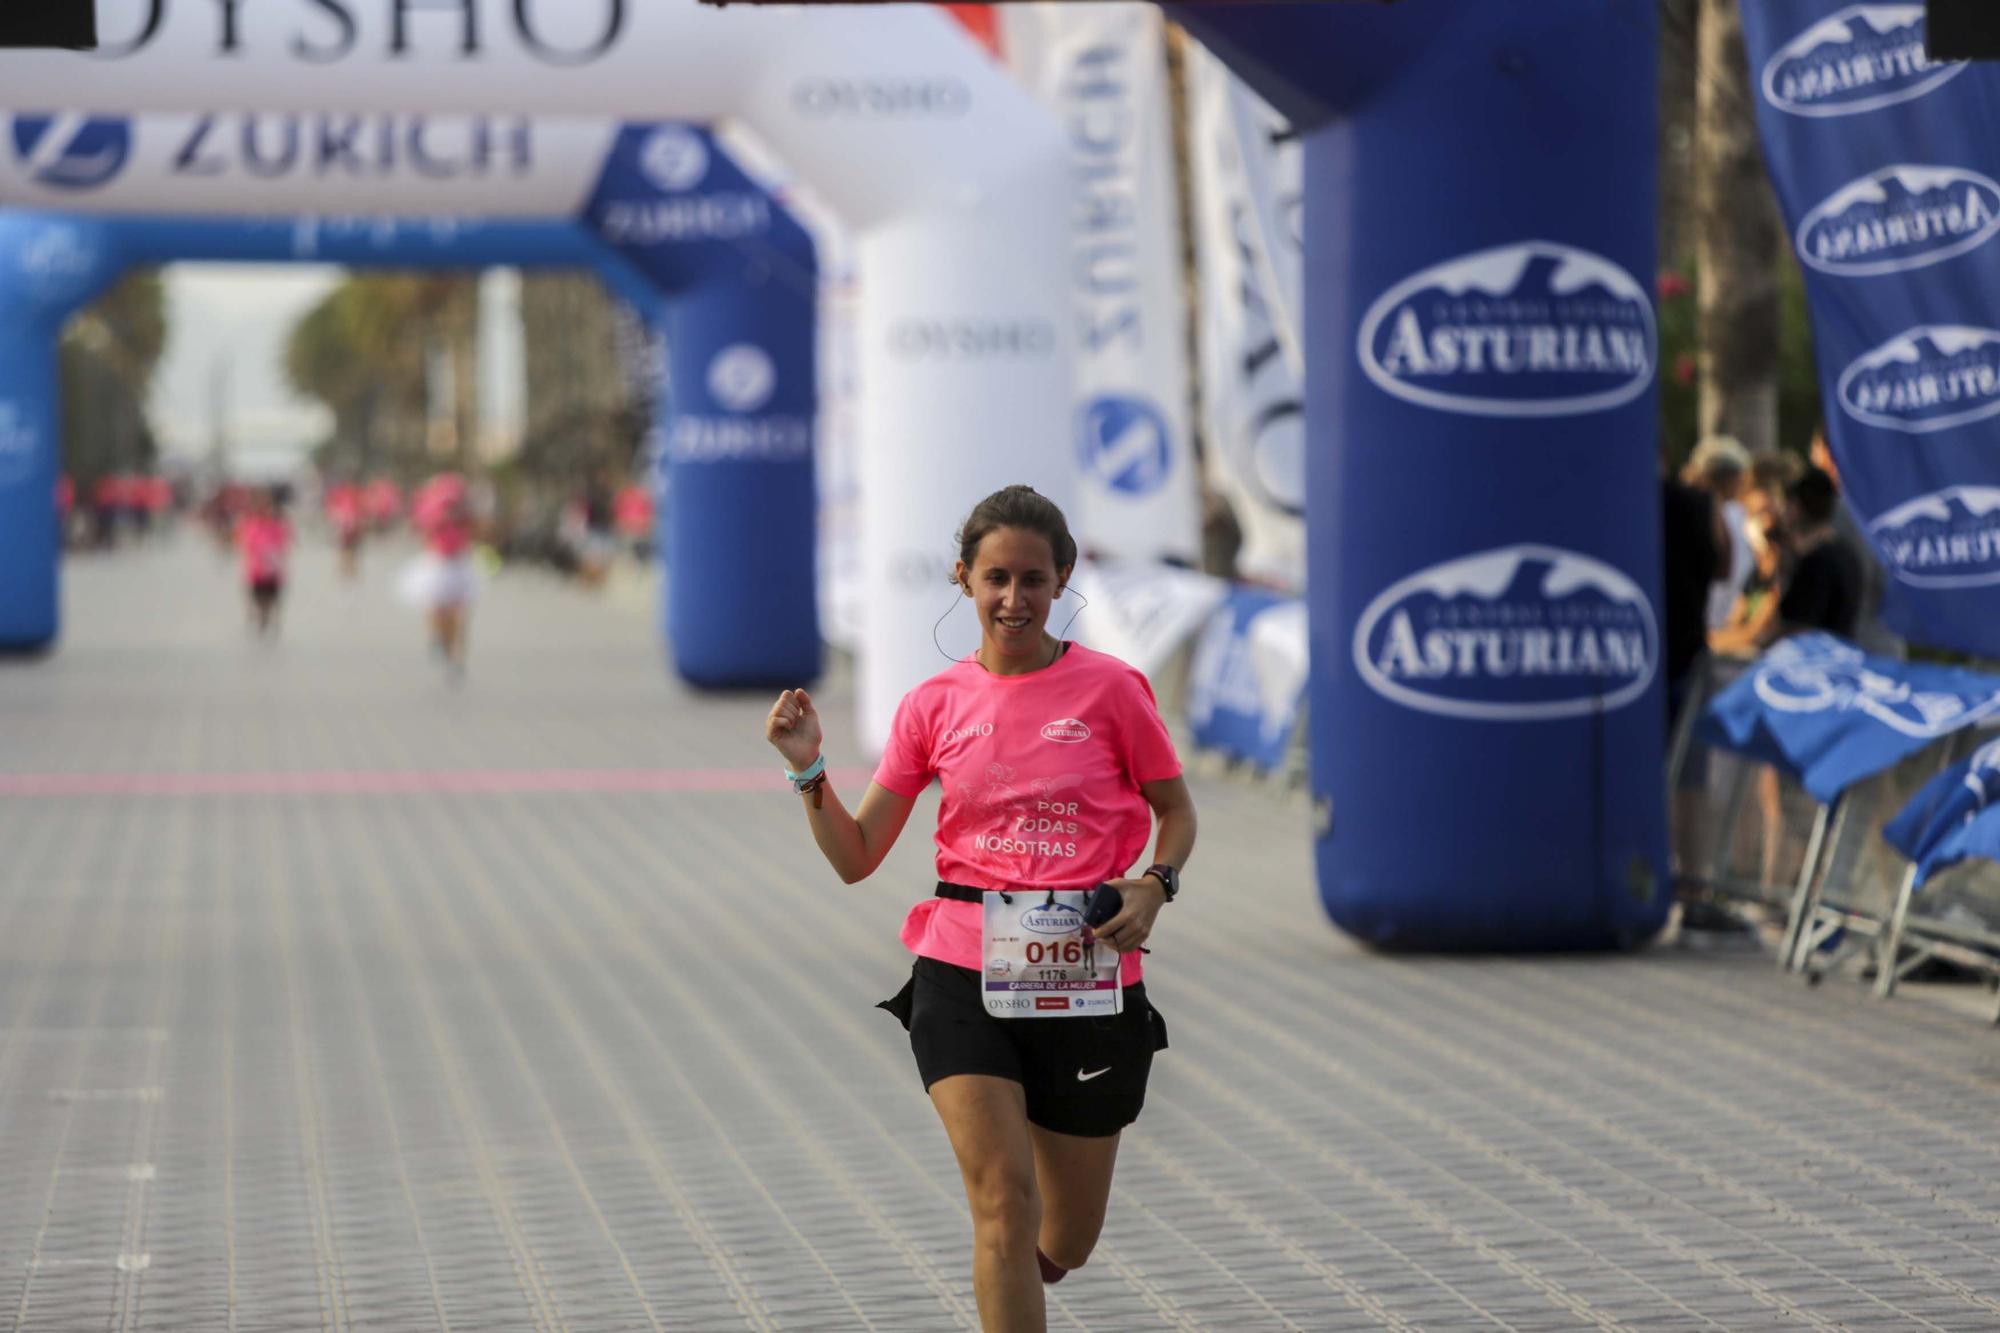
(1082, 1077)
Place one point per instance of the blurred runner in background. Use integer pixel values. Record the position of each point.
(263, 538)
(344, 512)
(440, 581)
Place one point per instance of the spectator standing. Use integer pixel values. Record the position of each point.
(1828, 583)
(1870, 634)
(1721, 467)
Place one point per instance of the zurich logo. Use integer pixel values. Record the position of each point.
(674, 158)
(1817, 673)
(742, 377)
(1123, 442)
(72, 151)
(1522, 633)
(1861, 59)
(1930, 378)
(17, 445)
(1900, 218)
(1052, 919)
(1947, 539)
(1536, 329)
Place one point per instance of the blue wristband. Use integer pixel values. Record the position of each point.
(813, 770)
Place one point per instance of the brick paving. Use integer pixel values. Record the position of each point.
(333, 997)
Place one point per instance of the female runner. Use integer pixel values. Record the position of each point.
(1053, 763)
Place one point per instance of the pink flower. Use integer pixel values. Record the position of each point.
(1672, 285)
(1684, 368)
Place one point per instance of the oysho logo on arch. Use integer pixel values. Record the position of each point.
(1534, 329)
(1518, 634)
(1929, 378)
(886, 97)
(1900, 218)
(69, 150)
(1861, 59)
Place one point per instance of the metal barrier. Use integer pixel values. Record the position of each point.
(1746, 836)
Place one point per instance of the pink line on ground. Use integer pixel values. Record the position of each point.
(370, 781)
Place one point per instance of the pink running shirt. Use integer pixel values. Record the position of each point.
(262, 542)
(1040, 774)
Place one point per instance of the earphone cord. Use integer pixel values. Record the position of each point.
(957, 597)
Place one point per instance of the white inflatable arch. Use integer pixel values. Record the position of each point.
(952, 181)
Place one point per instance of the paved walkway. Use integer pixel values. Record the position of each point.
(331, 997)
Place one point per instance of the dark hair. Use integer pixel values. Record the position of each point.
(1776, 472)
(1017, 507)
(1815, 496)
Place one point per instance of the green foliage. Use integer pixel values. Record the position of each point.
(364, 350)
(1799, 409)
(107, 357)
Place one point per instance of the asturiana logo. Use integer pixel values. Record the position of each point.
(1068, 730)
(1947, 539)
(1817, 673)
(1052, 919)
(1925, 379)
(1900, 218)
(1522, 633)
(1861, 59)
(1529, 330)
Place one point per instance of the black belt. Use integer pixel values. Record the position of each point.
(965, 893)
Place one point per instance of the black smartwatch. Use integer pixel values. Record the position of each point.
(1169, 878)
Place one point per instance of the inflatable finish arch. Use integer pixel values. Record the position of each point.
(954, 182)
(740, 315)
(1484, 548)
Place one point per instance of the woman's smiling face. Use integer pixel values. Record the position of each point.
(1012, 580)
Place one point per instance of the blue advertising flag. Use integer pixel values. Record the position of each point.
(1819, 708)
(1937, 827)
(1887, 165)
(1248, 677)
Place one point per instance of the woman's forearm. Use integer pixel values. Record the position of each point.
(838, 834)
(1175, 842)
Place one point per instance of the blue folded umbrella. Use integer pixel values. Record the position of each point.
(1832, 716)
(1955, 816)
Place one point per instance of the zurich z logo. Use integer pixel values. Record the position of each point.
(1122, 441)
(71, 151)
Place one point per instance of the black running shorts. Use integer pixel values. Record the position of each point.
(1082, 1076)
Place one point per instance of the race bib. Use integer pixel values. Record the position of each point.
(1035, 962)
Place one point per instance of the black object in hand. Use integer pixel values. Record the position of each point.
(1104, 903)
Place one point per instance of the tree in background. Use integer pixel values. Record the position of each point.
(391, 355)
(1736, 351)
(585, 413)
(1739, 238)
(108, 354)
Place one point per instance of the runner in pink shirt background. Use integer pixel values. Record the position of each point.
(1053, 765)
(263, 539)
(440, 581)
